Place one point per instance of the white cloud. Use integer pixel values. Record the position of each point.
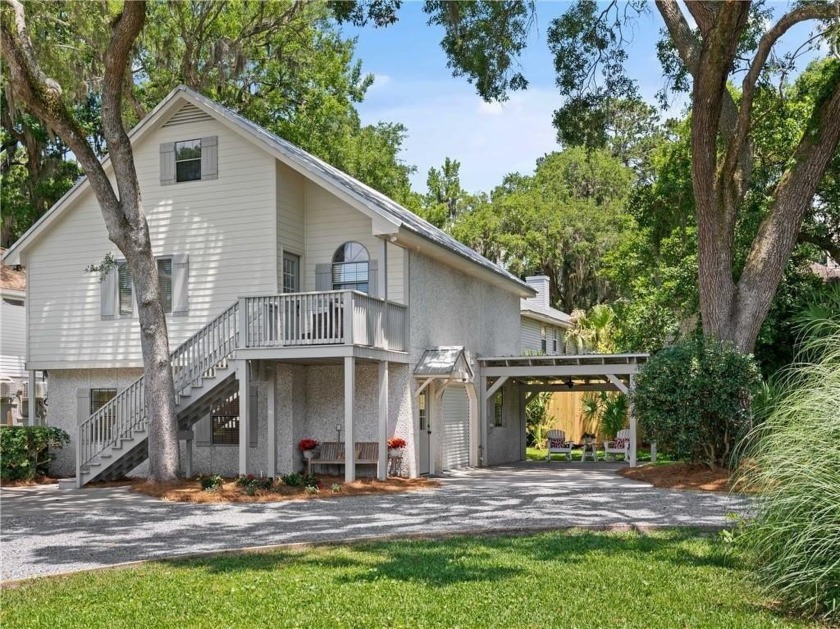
(446, 119)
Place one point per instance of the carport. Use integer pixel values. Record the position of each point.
(564, 373)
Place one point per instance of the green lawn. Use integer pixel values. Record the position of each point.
(673, 578)
(642, 456)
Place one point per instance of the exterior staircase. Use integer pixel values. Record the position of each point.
(115, 439)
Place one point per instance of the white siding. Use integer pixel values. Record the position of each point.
(331, 222)
(12, 338)
(532, 338)
(227, 227)
(290, 216)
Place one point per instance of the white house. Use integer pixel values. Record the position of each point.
(543, 327)
(15, 383)
(298, 299)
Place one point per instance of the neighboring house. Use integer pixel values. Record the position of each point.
(300, 304)
(543, 327)
(14, 379)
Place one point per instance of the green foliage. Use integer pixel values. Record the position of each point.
(792, 459)
(614, 415)
(537, 419)
(693, 399)
(658, 579)
(211, 483)
(25, 451)
(296, 479)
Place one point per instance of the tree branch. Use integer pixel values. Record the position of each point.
(737, 144)
(779, 230)
(124, 31)
(42, 95)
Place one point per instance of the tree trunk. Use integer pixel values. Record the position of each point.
(121, 209)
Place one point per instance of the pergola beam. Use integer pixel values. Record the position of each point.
(496, 386)
(618, 383)
(560, 371)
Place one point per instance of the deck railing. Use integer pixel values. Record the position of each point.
(323, 318)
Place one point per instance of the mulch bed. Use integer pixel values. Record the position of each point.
(189, 490)
(41, 480)
(681, 476)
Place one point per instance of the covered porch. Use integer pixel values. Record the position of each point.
(532, 375)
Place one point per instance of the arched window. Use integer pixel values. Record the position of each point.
(350, 268)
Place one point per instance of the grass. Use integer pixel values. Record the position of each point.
(670, 578)
(642, 456)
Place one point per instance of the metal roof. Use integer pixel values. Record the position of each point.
(356, 188)
(443, 362)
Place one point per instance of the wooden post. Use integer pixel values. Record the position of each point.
(633, 428)
(349, 433)
(244, 406)
(271, 441)
(382, 467)
(33, 400)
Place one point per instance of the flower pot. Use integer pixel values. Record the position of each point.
(308, 454)
(395, 453)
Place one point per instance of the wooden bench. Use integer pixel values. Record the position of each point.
(332, 453)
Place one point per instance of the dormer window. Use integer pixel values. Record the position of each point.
(188, 160)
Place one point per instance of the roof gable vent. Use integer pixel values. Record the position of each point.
(187, 114)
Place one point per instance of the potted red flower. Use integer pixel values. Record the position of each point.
(308, 447)
(395, 446)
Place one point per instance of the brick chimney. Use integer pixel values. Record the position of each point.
(541, 284)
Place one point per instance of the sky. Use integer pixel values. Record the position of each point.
(444, 115)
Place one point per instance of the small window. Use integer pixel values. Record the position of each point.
(555, 341)
(291, 273)
(126, 288)
(188, 160)
(350, 269)
(423, 412)
(100, 397)
(499, 409)
(543, 341)
(226, 422)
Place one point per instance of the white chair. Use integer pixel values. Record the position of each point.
(557, 444)
(619, 445)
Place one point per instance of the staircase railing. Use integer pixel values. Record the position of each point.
(126, 412)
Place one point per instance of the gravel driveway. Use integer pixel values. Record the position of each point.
(45, 531)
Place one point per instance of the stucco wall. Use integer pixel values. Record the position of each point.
(63, 411)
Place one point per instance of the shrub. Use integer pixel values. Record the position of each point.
(25, 450)
(792, 460)
(693, 399)
(211, 483)
(299, 480)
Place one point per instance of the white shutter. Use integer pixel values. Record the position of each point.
(456, 427)
(204, 431)
(167, 163)
(323, 277)
(82, 405)
(373, 278)
(180, 285)
(210, 157)
(109, 295)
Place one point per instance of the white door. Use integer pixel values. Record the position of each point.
(456, 427)
(423, 433)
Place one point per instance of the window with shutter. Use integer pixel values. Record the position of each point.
(188, 160)
(126, 288)
(350, 268)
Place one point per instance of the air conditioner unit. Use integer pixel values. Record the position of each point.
(40, 390)
(8, 388)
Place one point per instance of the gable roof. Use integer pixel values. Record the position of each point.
(394, 218)
(545, 315)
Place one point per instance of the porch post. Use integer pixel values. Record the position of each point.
(33, 400)
(483, 422)
(271, 441)
(633, 428)
(349, 433)
(382, 467)
(244, 407)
